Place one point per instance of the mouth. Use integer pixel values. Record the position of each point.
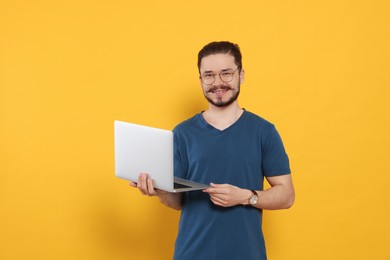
(219, 90)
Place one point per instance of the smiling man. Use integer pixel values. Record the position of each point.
(216, 88)
(233, 150)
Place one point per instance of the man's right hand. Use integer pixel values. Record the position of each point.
(145, 186)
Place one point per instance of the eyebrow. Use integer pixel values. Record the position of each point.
(210, 71)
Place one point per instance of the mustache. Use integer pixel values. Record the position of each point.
(213, 89)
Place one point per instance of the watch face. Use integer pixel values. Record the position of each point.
(253, 200)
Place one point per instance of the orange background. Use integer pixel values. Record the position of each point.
(68, 69)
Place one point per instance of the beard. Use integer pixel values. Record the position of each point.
(219, 102)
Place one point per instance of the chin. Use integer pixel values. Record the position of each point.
(220, 103)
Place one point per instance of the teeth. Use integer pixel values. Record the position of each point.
(218, 91)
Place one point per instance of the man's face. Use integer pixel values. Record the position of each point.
(221, 93)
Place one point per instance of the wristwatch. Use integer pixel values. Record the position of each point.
(253, 199)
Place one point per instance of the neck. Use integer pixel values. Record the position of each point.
(223, 117)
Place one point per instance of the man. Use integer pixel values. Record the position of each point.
(233, 150)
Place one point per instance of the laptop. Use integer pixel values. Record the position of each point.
(144, 149)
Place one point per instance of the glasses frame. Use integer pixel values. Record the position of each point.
(219, 74)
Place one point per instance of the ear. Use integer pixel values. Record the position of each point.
(242, 76)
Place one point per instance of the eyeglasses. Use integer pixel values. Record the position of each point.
(226, 76)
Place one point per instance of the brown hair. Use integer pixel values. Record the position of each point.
(223, 47)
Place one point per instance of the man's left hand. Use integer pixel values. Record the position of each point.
(226, 195)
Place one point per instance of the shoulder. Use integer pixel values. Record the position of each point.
(188, 123)
(254, 121)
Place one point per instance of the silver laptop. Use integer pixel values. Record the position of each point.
(146, 149)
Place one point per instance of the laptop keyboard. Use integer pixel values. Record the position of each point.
(178, 186)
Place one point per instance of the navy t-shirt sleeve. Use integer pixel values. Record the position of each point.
(274, 157)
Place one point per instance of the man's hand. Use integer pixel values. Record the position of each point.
(145, 186)
(226, 195)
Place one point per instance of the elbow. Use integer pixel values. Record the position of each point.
(176, 205)
(289, 202)
(177, 208)
(171, 200)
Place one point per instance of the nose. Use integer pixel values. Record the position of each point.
(217, 81)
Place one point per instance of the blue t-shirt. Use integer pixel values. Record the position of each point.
(240, 155)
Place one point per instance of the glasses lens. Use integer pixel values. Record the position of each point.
(226, 76)
(208, 79)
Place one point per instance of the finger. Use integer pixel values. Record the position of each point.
(208, 190)
(211, 189)
(150, 187)
(142, 183)
(219, 188)
(139, 182)
(217, 197)
(216, 191)
(217, 201)
(214, 185)
(145, 179)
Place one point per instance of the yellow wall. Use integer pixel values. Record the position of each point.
(319, 70)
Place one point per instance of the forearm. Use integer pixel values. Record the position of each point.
(172, 200)
(276, 197)
(279, 196)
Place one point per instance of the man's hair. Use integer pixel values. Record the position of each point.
(222, 47)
